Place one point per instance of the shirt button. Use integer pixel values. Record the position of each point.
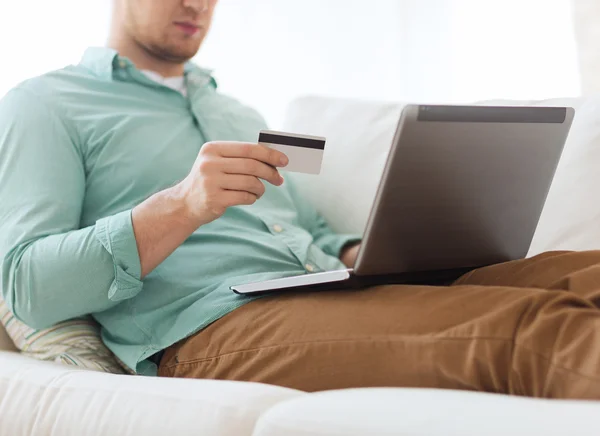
(277, 228)
(309, 267)
(122, 64)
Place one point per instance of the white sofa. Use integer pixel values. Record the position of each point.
(45, 399)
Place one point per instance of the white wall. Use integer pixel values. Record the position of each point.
(266, 52)
(587, 26)
(514, 49)
(269, 51)
(41, 35)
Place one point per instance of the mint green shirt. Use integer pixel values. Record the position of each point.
(79, 148)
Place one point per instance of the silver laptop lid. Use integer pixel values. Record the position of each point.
(463, 186)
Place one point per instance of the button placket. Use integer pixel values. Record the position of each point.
(289, 239)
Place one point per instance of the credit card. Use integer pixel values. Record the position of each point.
(305, 152)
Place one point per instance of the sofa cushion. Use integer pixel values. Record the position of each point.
(6, 343)
(571, 216)
(427, 412)
(47, 399)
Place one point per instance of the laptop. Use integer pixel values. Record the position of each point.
(463, 187)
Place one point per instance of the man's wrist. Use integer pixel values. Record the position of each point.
(172, 206)
(181, 210)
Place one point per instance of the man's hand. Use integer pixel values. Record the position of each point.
(225, 174)
(349, 253)
(229, 174)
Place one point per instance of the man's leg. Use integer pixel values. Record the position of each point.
(577, 272)
(524, 341)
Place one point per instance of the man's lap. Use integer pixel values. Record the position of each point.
(460, 337)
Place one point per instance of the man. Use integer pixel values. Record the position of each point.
(124, 196)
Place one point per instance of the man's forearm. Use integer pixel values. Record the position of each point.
(225, 174)
(161, 224)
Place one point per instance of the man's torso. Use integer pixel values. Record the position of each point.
(136, 137)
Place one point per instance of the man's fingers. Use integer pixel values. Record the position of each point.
(237, 182)
(249, 150)
(251, 167)
(237, 198)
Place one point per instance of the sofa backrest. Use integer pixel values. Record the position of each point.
(359, 135)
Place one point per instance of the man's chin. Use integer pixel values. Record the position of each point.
(176, 54)
(179, 56)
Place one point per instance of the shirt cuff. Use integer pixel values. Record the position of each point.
(333, 244)
(115, 233)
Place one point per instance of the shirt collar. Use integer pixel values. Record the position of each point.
(103, 61)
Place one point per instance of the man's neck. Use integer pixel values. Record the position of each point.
(143, 59)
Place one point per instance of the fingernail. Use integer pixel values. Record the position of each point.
(282, 179)
(284, 160)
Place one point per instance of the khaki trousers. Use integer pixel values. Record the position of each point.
(529, 327)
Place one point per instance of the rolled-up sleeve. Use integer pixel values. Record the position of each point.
(115, 233)
(51, 268)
